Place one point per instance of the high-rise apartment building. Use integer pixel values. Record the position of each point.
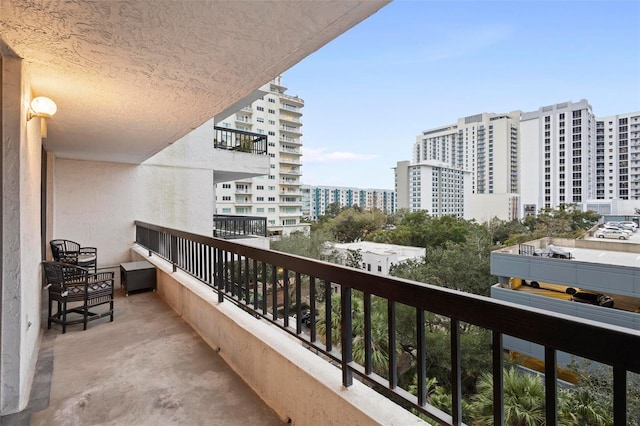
(618, 157)
(558, 148)
(434, 186)
(276, 196)
(320, 197)
(485, 146)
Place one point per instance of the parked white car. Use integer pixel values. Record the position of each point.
(617, 234)
(617, 228)
(630, 223)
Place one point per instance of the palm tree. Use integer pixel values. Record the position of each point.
(379, 338)
(581, 406)
(523, 400)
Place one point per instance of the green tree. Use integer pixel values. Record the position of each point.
(352, 225)
(313, 246)
(354, 258)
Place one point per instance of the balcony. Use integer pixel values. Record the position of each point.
(238, 140)
(219, 274)
(290, 171)
(232, 227)
(129, 140)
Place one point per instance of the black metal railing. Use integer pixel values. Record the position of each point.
(230, 227)
(238, 140)
(247, 276)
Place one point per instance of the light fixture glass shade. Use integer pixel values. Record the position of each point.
(43, 107)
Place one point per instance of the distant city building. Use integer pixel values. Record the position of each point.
(484, 147)
(276, 196)
(377, 257)
(571, 156)
(558, 155)
(320, 197)
(618, 157)
(434, 186)
(520, 163)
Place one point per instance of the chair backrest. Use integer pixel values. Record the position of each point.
(60, 274)
(65, 250)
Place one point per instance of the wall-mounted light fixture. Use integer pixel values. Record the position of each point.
(42, 107)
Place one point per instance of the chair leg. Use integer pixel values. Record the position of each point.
(49, 317)
(111, 307)
(64, 316)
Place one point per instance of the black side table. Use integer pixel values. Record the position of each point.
(137, 276)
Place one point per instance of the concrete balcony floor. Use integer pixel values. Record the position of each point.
(147, 367)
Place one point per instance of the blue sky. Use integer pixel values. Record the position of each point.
(416, 65)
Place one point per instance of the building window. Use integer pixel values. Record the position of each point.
(226, 185)
(272, 111)
(272, 198)
(226, 198)
(260, 108)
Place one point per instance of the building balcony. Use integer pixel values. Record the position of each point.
(239, 140)
(234, 227)
(293, 100)
(291, 109)
(286, 118)
(222, 289)
(290, 129)
(292, 171)
(288, 160)
(289, 139)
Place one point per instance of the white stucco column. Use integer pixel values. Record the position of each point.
(20, 287)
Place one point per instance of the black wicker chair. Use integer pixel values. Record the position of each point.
(70, 252)
(77, 293)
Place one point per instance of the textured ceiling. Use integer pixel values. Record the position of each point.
(131, 77)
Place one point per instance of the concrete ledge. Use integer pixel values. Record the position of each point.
(299, 386)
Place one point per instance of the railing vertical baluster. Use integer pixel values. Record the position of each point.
(285, 295)
(312, 308)
(619, 396)
(393, 358)
(456, 373)
(247, 287)
(226, 270)
(327, 316)
(220, 270)
(550, 388)
(255, 284)
(274, 292)
(210, 264)
(174, 253)
(368, 353)
(298, 303)
(346, 333)
(498, 372)
(264, 288)
(421, 353)
(232, 272)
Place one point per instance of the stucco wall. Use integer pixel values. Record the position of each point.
(96, 203)
(21, 289)
(295, 383)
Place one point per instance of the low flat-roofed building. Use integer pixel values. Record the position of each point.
(378, 257)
